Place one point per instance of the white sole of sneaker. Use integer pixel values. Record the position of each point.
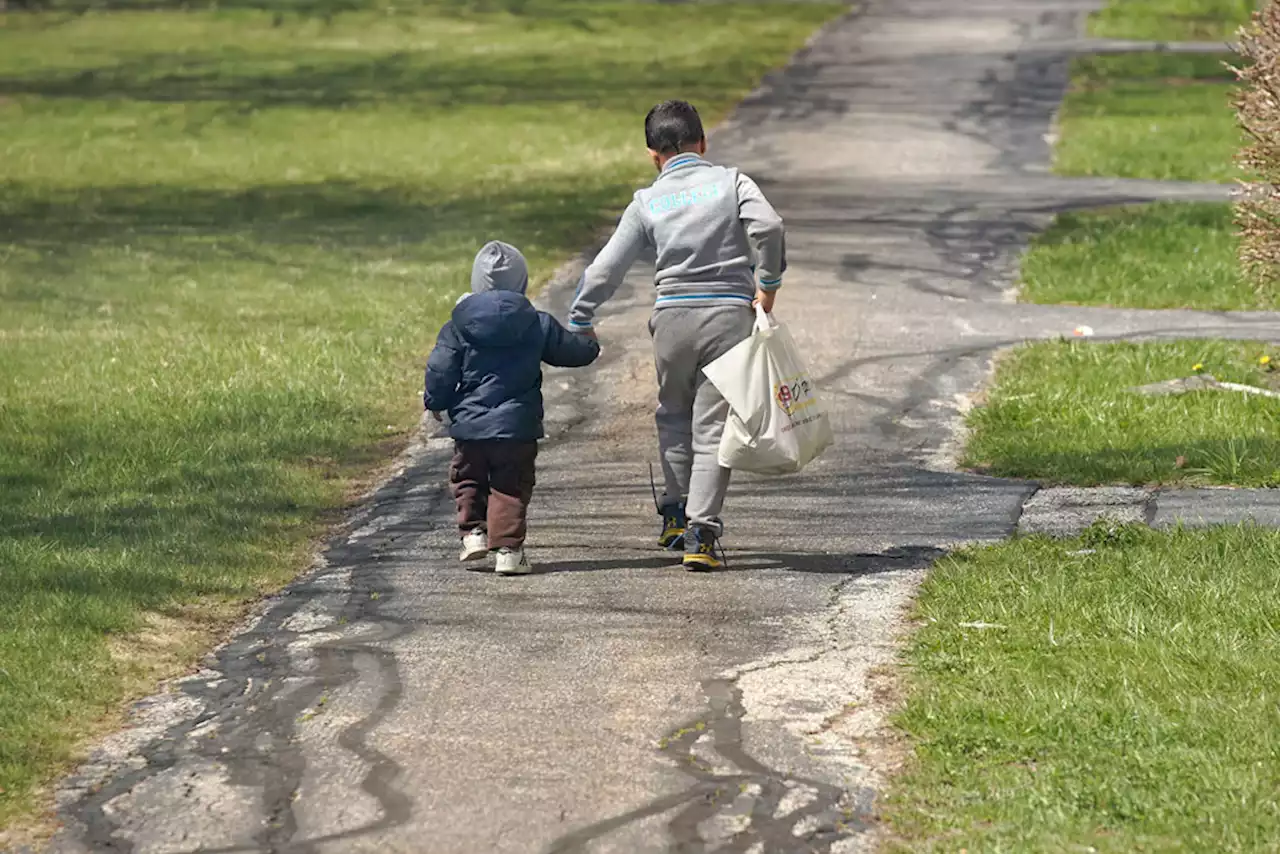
(469, 555)
(505, 568)
(524, 570)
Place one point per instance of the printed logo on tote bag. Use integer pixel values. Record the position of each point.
(794, 395)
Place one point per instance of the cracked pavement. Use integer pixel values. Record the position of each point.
(390, 701)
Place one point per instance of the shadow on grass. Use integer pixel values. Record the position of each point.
(1230, 461)
(329, 224)
(336, 79)
(526, 71)
(1163, 85)
(346, 215)
(1154, 68)
(309, 8)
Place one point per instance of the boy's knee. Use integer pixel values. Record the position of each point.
(675, 422)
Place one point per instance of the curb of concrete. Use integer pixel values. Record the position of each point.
(1066, 511)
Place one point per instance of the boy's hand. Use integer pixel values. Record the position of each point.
(590, 333)
(437, 416)
(765, 299)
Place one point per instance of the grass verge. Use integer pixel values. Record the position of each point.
(1157, 116)
(1171, 20)
(1124, 700)
(227, 238)
(1061, 412)
(1152, 256)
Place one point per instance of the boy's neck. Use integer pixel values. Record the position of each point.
(661, 160)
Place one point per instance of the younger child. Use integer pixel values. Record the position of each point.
(720, 248)
(486, 372)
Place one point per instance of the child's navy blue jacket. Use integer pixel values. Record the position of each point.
(486, 368)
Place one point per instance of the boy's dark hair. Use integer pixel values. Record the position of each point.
(672, 127)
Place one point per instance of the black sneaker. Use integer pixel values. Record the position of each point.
(673, 526)
(702, 550)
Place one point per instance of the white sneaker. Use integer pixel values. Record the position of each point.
(513, 562)
(475, 545)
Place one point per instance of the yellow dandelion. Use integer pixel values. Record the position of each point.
(1197, 367)
(1264, 360)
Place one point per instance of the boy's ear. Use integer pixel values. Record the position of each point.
(702, 146)
(656, 158)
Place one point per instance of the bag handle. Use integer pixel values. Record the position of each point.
(764, 320)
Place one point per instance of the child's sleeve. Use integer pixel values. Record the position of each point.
(444, 372)
(765, 233)
(606, 272)
(566, 349)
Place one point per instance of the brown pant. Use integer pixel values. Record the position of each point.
(492, 484)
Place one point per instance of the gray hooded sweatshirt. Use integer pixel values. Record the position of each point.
(707, 223)
(498, 267)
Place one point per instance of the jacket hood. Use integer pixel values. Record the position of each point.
(499, 267)
(495, 318)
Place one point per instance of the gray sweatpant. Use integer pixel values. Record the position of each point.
(691, 413)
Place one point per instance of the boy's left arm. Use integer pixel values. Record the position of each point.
(444, 372)
(565, 349)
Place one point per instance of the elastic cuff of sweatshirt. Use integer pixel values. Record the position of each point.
(770, 284)
(576, 326)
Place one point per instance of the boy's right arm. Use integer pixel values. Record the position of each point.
(606, 272)
(444, 372)
(566, 349)
(765, 233)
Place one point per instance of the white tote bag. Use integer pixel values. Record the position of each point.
(777, 424)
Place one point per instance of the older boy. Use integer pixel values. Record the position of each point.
(706, 222)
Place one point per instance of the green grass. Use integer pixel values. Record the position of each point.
(1157, 256)
(1127, 703)
(1171, 20)
(1061, 412)
(1158, 116)
(227, 239)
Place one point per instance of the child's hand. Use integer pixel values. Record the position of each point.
(437, 416)
(765, 299)
(590, 333)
